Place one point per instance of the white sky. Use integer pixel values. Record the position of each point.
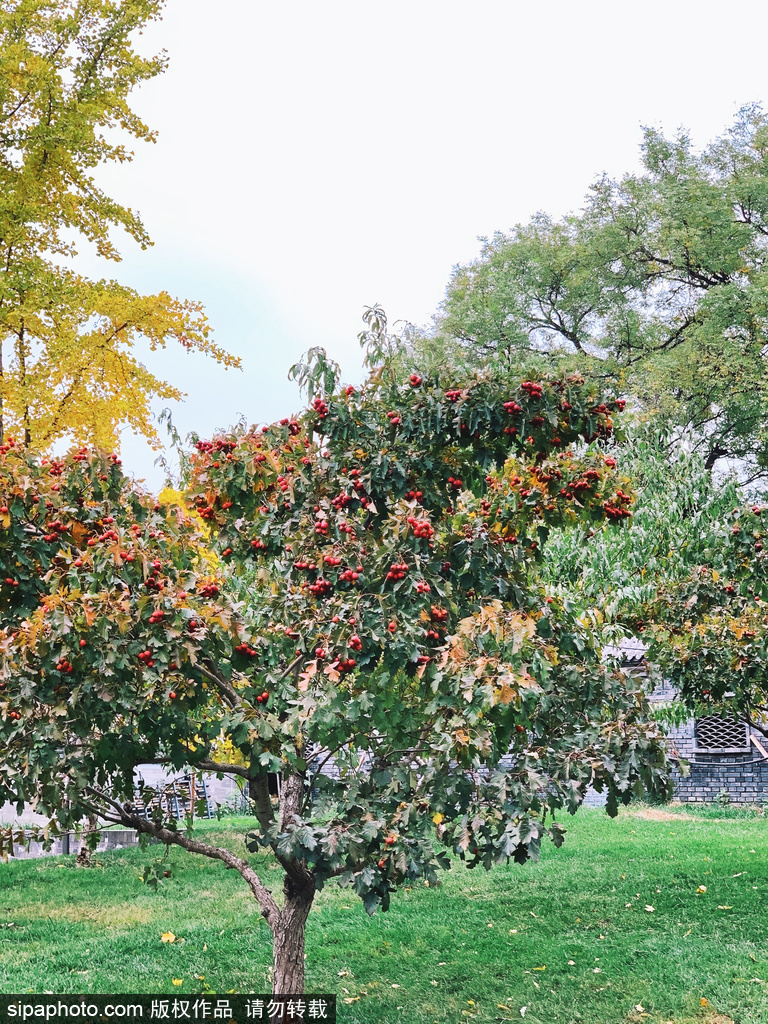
(314, 158)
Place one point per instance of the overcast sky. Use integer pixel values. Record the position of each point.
(315, 158)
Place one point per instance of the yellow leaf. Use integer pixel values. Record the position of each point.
(177, 981)
(727, 906)
(437, 818)
(715, 576)
(702, 888)
(704, 1002)
(540, 968)
(167, 937)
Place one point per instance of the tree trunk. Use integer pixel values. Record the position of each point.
(289, 935)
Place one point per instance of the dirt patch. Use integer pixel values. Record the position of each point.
(106, 917)
(702, 1018)
(657, 814)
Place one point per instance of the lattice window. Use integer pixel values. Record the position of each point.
(719, 734)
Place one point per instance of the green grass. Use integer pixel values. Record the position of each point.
(478, 948)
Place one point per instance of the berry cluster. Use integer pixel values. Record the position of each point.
(146, 657)
(349, 576)
(394, 418)
(415, 380)
(246, 649)
(618, 511)
(320, 408)
(534, 390)
(421, 528)
(455, 483)
(216, 446)
(293, 426)
(397, 571)
(55, 529)
(209, 590)
(321, 587)
(512, 407)
(355, 643)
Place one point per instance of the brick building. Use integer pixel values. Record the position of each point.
(727, 758)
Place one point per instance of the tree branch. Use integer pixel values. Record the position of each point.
(269, 908)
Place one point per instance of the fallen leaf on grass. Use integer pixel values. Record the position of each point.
(726, 906)
(649, 908)
(702, 888)
(167, 937)
(177, 981)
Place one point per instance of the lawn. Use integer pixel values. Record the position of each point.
(614, 927)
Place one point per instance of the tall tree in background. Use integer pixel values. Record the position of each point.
(662, 279)
(67, 365)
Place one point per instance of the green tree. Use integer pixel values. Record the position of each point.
(676, 526)
(659, 283)
(375, 605)
(67, 365)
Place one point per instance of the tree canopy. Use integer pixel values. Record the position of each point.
(376, 606)
(67, 363)
(659, 282)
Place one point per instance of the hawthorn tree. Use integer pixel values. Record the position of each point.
(375, 609)
(68, 368)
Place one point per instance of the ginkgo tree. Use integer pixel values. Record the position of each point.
(374, 633)
(68, 366)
